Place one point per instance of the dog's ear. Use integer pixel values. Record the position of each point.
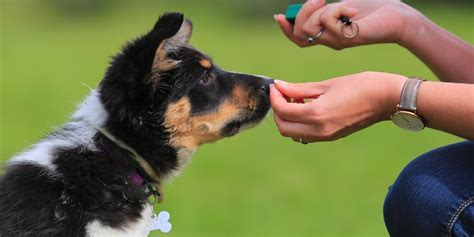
(127, 81)
(149, 53)
(178, 30)
(183, 35)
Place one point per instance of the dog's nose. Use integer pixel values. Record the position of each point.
(266, 85)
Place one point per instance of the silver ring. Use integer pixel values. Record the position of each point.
(317, 36)
(302, 141)
(354, 30)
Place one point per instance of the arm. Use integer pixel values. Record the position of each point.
(385, 21)
(344, 105)
(448, 107)
(448, 56)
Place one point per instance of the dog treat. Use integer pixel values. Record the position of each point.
(292, 12)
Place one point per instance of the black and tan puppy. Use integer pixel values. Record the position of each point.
(159, 101)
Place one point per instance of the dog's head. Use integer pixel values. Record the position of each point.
(162, 86)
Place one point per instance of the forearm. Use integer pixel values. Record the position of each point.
(448, 56)
(447, 107)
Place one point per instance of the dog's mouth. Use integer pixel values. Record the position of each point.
(248, 119)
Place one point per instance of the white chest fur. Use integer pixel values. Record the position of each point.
(140, 228)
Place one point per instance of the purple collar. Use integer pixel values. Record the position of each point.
(151, 188)
(137, 179)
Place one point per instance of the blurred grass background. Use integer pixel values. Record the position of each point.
(254, 184)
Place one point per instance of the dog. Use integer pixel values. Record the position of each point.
(159, 101)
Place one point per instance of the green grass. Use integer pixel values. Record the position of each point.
(254, 184)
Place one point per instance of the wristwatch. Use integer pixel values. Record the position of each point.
(406, 116)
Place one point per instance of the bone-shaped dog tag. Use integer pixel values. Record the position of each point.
(161, 222)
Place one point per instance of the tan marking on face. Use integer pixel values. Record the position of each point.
(191, 132)
(241, 97)
(205, 63)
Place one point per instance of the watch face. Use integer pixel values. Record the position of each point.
(408, 120)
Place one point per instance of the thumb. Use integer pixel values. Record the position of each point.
(310, 90)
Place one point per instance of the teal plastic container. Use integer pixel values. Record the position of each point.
(292, 12)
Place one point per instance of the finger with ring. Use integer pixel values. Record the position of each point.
(311, 40)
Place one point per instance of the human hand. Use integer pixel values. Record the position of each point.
(338, 106)
(380, 21)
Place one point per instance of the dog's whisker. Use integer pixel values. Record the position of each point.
(87, 86)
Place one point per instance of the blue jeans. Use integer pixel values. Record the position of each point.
(434, 195)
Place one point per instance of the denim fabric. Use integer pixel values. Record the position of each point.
(434, 195)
